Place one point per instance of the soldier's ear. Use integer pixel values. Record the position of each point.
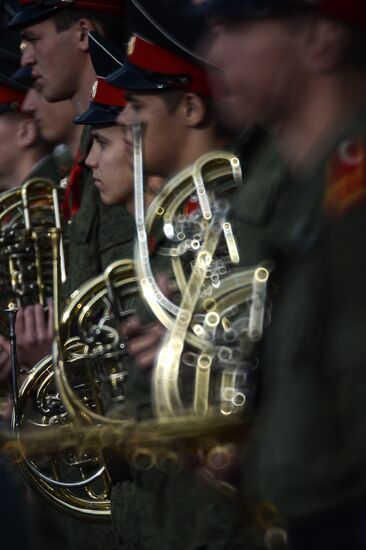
(323, 45)
(194, 110)
(27, 133)
(83, 27)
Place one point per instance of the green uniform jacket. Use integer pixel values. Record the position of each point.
(98, 234)
(47, 526)
(165, 512)
(310, 442)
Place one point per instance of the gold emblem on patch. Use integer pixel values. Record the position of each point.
(131, 45)
(94, 89)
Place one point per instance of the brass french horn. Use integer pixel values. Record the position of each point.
(200, 380)
(27, 214)
(204, 362)
(75, 388)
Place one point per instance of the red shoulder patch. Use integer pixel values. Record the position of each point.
(346, 178)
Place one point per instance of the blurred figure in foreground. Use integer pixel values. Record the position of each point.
(301, 73)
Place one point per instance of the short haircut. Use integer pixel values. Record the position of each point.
(114, 29)
(172, 99)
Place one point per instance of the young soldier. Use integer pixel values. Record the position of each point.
(168, 92)
(54, 121)
(23, 155)
(107, 159)
(302, 74)
(56, 36)
(20, 143)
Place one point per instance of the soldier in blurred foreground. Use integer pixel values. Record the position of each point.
(301, 73)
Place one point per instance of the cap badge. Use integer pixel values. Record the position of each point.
(94, 89)
(131, 46)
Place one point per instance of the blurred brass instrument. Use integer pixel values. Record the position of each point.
(205, 359)
(150, 439)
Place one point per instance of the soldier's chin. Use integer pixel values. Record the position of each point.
(108, 199)
(54, 95)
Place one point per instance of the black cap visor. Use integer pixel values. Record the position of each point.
(131, 78)
(98, 115)
(12, 83)
(24, 76)
(30, 15)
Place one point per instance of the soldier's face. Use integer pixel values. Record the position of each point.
(12, 127)
(54, 58)
(111, 166)
(164, 132)
(54, 120)
(261, 72)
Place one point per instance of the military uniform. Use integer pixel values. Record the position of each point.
(97, 234)
(153, 510)
(311, 450)
(308, 449)
(178, 511)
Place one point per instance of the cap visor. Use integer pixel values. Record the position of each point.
(14, 84)
(31, 15)
(97, 114)
(23, 76)
(131, 78)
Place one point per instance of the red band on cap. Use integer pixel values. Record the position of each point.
(352, 10)
(8, 95)
(115, 7)
(106, 94)
(150, 57)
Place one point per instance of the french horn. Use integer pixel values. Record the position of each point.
(205, 360)
(94, 365)
(201, 381)
(27, 214)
